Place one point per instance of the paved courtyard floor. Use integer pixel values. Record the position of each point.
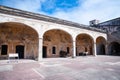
(79, 68)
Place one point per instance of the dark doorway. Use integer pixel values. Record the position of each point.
(68, 50)
(20, 51)
(53, 50)
(115, 49)
(44, 51)
(4, 50)
(85, 49)
(100, 49)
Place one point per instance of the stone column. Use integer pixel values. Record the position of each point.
(95, 52)
(106, 49)
(74, 49)
(40, 49)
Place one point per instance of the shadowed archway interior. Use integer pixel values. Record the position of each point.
(55, 41)
(114, 49)
(100, 44)
(84, 43)
(13, 34)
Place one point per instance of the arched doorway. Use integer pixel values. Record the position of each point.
(84, 43)
(100, 44)
(17, 34)
(56, 42)
(114, 48)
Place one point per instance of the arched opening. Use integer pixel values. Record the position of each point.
(114, 49)
(100, 44)
(57, 43)
(17, 34)
(84, 43)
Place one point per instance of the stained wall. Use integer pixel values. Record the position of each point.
(13, 34)
(32, 34)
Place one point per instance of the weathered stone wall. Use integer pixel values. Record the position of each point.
(84, 44)
(13, 34)
(59, 39)
(113, 34)
(41, 28)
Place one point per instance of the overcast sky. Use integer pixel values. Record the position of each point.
(81, 11)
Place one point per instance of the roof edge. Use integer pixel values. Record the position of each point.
(22, 13)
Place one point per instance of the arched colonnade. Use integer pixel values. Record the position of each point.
(33, 43)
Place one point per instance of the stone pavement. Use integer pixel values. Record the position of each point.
(80, 68)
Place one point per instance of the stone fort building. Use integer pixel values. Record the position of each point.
(112, 28)
(36, 36)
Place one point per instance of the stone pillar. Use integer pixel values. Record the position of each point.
(40, 49)
(106, 49)
(74, 49)
(94, 49)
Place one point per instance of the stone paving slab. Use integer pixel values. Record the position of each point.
(80, 68)
(6, 68)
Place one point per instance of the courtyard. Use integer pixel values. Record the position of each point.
(79, 68)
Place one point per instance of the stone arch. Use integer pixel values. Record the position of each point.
(84, 43)
(114, 48)
(14, 33)
(56, 28)
(100, 45)
(56, 41)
